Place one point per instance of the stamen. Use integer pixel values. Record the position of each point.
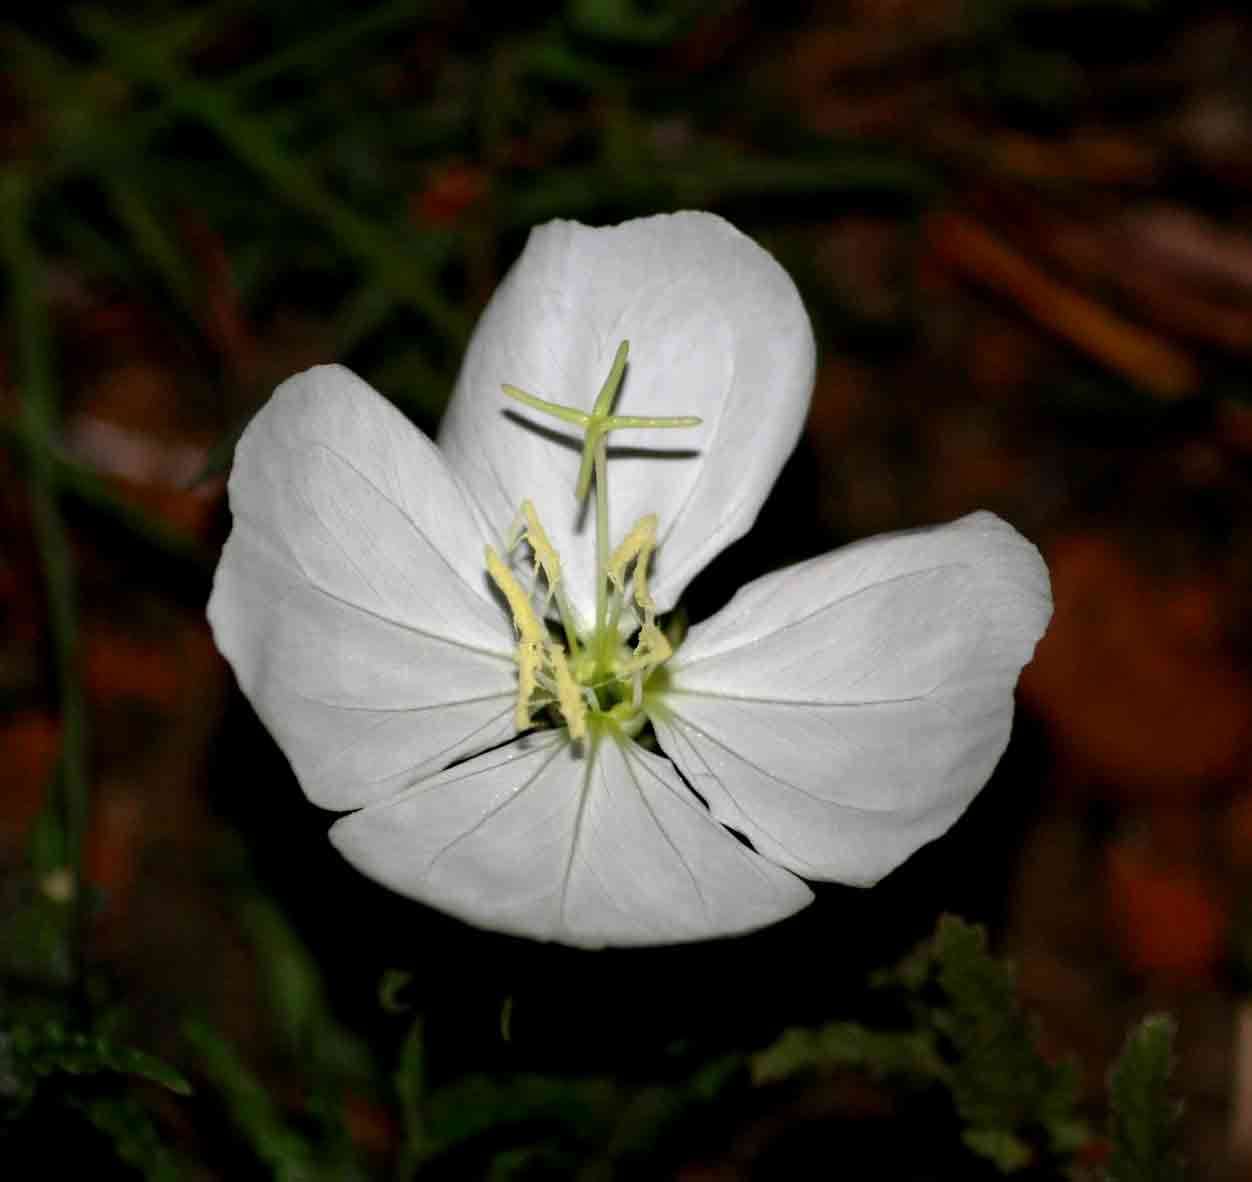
(528, 626)
(529, 660)
(530, 645)
(546, 557)
(643, 597)
(640, 540)
(569, 695)
(547, 560)
(657, 643)
(651, 649)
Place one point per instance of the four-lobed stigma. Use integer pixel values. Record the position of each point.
(594, 676)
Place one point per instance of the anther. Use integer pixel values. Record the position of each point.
(569, 695)
(546, 557)
(640, 540)
(643, 597)
(528, 626)
(529, 660)
(651, 649)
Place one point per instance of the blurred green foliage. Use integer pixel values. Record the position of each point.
(963, 1045)
(35, 1052)
(968, 1035)
(1144, 1119)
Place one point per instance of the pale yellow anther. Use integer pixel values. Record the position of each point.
(529, 661)
(659, 648)
(568, 692)
(652, 649)
(546, 557)
(640, 540)
(643, 597)
(528, 626)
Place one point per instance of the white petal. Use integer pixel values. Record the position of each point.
(716, 329)
(539, 840)
(845, 711)
(351, 598)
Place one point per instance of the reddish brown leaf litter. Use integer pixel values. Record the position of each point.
(1134, 676)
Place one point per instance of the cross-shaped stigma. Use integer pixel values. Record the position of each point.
(596, 425)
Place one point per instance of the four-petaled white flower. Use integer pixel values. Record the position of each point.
(378, 603)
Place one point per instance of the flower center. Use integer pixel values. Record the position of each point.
(594, 675)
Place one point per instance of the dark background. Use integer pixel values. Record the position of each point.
(1022, 231)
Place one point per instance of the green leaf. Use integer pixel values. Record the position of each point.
(999, 1081)
(297, 996)
(393, 984)
(909, 1053)
(136, 1141)
(709, 1082)
(712, 175)
(389, 254)
(633, 22)
(37, 931)
(50, 1048)
(34, 369)
(1003, 1150)
(1143, 1124)
(312, 1145)
(583, 1108)
(651, 1113)
(328, 45)
(153, 243)
(968, 1036)
(410, 1084)
(1013, 1102)
(290, 1156)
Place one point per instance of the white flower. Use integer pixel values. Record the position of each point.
(839, 713)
